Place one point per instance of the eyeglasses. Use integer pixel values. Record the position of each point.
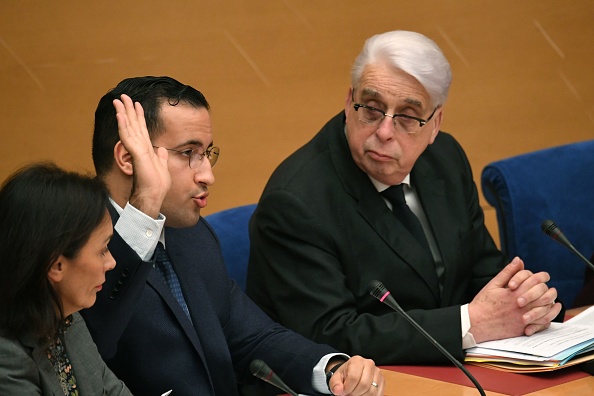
(402, 122)
(195, 158)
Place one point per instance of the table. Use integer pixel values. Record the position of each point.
(403, 384)
(450, 381)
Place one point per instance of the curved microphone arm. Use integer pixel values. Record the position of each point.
(379, 291)
(550, 228)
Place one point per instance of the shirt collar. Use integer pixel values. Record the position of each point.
(379, 186)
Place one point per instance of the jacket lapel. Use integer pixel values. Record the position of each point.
(156, 281)
(432, 193)
(186, 258)
(49, 380)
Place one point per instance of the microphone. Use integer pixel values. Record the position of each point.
(261, 370)
(550, 228)
(379, 291)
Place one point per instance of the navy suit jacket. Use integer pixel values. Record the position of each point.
(147, 340)
(321, 232)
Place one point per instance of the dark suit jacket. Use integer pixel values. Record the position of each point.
(321, 232)
(26, 370)
(146, 339)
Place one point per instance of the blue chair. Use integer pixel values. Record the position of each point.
(555, 183)
(231, 227)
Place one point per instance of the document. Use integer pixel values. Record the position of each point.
(561, 345)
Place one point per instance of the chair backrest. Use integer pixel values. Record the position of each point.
(231, 227)
(555, 183)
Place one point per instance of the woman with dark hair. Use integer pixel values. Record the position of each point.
(54, 230)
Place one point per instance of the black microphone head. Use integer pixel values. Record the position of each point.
(376, 289)
(549, 227)
(259, 369)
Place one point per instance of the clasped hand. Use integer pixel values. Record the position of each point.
(515, 302)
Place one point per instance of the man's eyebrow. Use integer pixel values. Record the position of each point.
(414, 102)
(195, 143)
(370, 92)
(376, 94)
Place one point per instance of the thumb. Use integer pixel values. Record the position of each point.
(163, 155)
(502, 278)
(336, 385)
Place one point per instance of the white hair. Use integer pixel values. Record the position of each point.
(414, 54)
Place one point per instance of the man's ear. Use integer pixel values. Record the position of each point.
(122, 158)
(436, 123)
(348, 103)
(56, 271)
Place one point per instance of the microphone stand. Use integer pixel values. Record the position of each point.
(550, 228)
(379, 291)
(260, 370)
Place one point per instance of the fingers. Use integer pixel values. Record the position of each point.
(545, 321)
(530, 287)
(131, 112)
(538, 294)
(125, 109)
(542, 313)
(139, 114)
(132, 126)
(121, 116)
(358, 376)
(502, 279)
(520, 276)
(526, 280)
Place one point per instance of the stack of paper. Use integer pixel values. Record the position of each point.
(561, 345)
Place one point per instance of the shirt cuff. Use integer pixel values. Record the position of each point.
(139, 231)
(467, 337)
(318, 378)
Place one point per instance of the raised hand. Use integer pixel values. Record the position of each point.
(151, 178)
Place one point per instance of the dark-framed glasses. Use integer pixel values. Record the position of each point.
(195, 157)
(402, 122)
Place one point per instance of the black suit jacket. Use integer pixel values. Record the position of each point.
(321, 232)
(147, 340)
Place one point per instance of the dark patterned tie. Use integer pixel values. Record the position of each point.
(166, 268)
(395, 195)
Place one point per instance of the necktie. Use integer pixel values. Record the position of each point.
(395, 195)
(166, 267)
